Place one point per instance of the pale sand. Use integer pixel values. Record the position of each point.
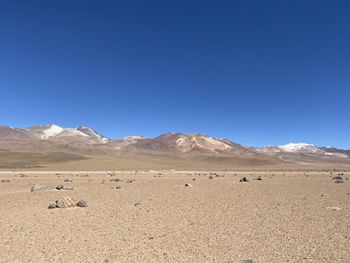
(287, 217)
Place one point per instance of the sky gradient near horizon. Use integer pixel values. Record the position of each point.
(256, 72)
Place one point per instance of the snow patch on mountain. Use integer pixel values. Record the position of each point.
(340, 155)
(210, 142)
(296, 147)
(49, 131)
(134, 137)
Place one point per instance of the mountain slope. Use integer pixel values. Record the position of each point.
(198, 148)
(8, 133)
(93, 134)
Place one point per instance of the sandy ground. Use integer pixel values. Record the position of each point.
(286, 217)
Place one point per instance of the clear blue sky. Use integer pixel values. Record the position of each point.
(256, 72)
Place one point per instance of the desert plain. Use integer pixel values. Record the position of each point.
(176, 216)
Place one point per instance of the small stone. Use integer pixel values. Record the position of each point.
(116, 180)
(60, 187)
(259, 178)
(5, 181)
(337, 178)
(244, 180)
(333, 208)
(338, 182)
(211, 177)
(130, 181)
(188, 185)
(241, 261)
(82, 203)
(52, 206)
(68, 180)
(137, 204)
(67, 188)
(118, 187)
(38, 187)
(193, 179)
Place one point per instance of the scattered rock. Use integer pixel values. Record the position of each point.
(62, 187)
(337, 178)
(68, 180)
(241, 261)
(103, 182)
(82, 203)
(116, 180)
(5, 181)
(244, 180)
(52, 206)
(39, 187)
(211, 177)
(338, 182)
(23, 175)
(188, 185)
(59, 187)
(118, 187)
(65, 202)
(130, 181)
(113, 174)
(333, 208)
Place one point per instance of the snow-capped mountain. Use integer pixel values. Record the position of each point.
(299, 149)
(52, 132)
(134, 138)
(291, 147)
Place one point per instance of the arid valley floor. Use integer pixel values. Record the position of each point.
(299, 216)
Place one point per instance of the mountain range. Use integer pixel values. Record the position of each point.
(86, 141)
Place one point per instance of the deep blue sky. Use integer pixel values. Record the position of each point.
(257, 72)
